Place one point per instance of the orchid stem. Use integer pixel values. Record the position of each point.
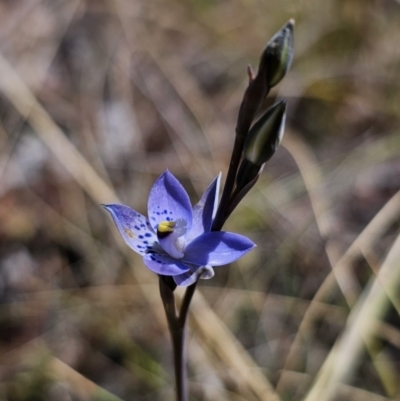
(176, 324)
(187, 299)
(178, 343)
(177, 328)
(229, 183)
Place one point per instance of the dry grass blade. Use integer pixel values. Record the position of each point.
(345, 392)
(195, 101)
(212, 330)
(360, 327)
(82, 387)
(388, 333)
(364, 241)
(28, 106)
(313, 180)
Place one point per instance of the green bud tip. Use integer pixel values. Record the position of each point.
(266, 134)
(278, 54)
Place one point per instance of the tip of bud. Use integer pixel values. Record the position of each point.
(277, 56)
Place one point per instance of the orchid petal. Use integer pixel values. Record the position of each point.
(168, 201)
(165, 265)
(186, 279)
(216, 248)
(204, 211)
(134, 228)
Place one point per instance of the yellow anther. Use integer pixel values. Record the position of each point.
(166, 227)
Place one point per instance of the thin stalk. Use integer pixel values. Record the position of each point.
(178, 342)
(186, 304)
(229, 183)
(177, 331)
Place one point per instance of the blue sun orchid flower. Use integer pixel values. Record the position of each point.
(176, 240)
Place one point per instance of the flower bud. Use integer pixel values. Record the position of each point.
(265, 135)
(247, 173)
(277, 56)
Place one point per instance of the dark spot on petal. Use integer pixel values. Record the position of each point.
(137, 228)
(141, 236)
(142, 225)
(145, 242)
(148, 235)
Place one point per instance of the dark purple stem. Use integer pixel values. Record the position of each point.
(178, 342)
(177, 331)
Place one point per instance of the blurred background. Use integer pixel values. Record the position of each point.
(97, 98)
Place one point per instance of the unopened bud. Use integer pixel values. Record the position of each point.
(278, 54)
(247, 173)
(266, 134)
